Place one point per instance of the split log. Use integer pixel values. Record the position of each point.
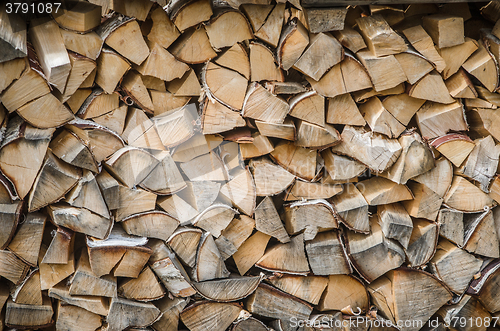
(269, 178)
(49, 46)
(155, 224)
(422, 243)
(445, 30)
(134, 87)
(310, 217)
(343, 110)
(385, 254)
(11, 71)
(378, 191)
(96, 305)
(465, 196)
(9, 219)
(442, 170)
(165, 178)
(51, 274)
(229, 289)
(13, 35)
(184, 242)
(481, 226)
(308, 106)
(28, 238)
(193, 46)
(215, 218)
(326, 254)
(88, 44)
(285, 306)
(251, 251)
(435, 119)
(227, 29)
(131, 165)
(455, 56)
(483, 66)
(432, 88)
(350, 39)
(325, 19)
(444, 262)
(469, 308)
(98, 103)
(483, 122)
(414, 65)
(80, 17)
(170, 313)
(395, 223)
(259, 147)
(29, 316)
(213, 315)
(352, 209)
(111, 67)
(297, 160)
(460, 86)
(236, 58)
(286, 258)
(71, 317)
(233, 236)
(163, 31)
(275, 111)
(393, 290)
(270, 28)
(344, 292)
(426, 203)
(451, 225)
(423, 43)
(379, 36)
(29, 291)
(82, 68)
(125, 313)
(309, 288)
(185, 14)
(143, 288)
(379, 119)
(378, 69)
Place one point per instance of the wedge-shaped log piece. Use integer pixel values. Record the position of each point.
(29, 316)
(347, 76)
(184, 242)
(94, 304)
(177, 126)
(395, 222)
(287, 258)
(186, 86)
(267, 220)
(426, 203)
(123, 254)
(209, 263)
(374, 150)
(455, 56)
(259, 147)
(49, 45)
(51, 274)
(29, 291)
(468, 307)
(165, 178)
(487, 286)
(200, 194)
(204, 315)
(402, 107)
(170, 313)
(11, 267)
(309, 288)
(143, 201)
(455, 147)
(270, 302)
(22, 139)
(79, 220)
(397, 292)
(379, 36)
(86, 282)
(481, 234)
(163, 31)
(380, 191)
(444, 266)
(88, 44)
(423, 43)
(111, 67)
(270, 179)
(305, 190)
(125, 313)
(198, 145)
(215, 218)
(352, 209)
(13, 36)
(373, 255)
(260, 104)
(11, 71)
(80, 17)
(250, 324)
(341, 167)
(416, 158)
(332, 53)
(460, 86)
(185, 14)
(227, 29)
(286, 130)
(299, 161)
(227, 290)
(131, 165)
(257, 13)
(97, 103)
(218, 118)
(445, 30)
(241, 191)
(432, 88)
(439, 178)
(178, 208)
(293, 41)
(26, 243)
(488, 96)
(155, 224)
(414, 65)
(172, 274)
(343, 110)
(54, 180)
(379, 119)
(483, 66)
(123, 34)
(315, 136)
(344, 291)
(308, 106)
(465, 196)
(134, 87)
(349, 38)
(139, 131)
(81, 69)
(9, 218)
(423, 242)
(71, 149)
(236, 58)
(143, 288)
(251, 251)
(272, 23)
(451, 225)
(326, 254)
(30, 86)
(233, 236)
(484, 121)
(325, 19)
(482, 162)
(161, 64)
(436, 119)
(379, 67)
(71, 317)
(262, 64)
(193, 46)
(206, 167)
(310, 216)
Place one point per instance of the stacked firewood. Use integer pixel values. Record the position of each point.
(250, 165)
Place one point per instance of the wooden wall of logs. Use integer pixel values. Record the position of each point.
(250, 165)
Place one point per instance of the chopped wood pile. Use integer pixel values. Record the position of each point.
(248, 165)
